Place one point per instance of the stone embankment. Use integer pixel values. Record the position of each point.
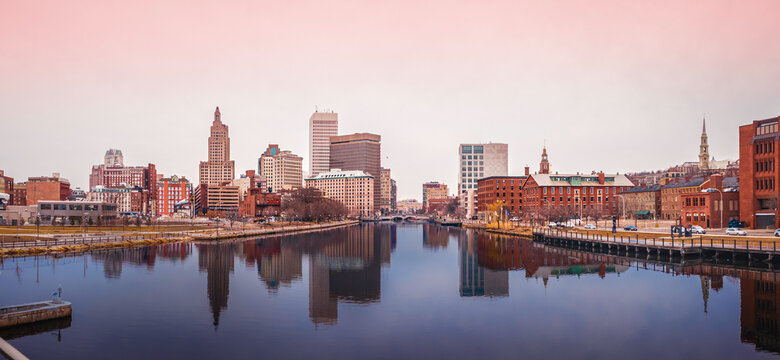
(516, 231)
(228, 234)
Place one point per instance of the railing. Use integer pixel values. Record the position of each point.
(680, 242)
(88, 239)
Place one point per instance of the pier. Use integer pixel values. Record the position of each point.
(685, 247)
(34, 312)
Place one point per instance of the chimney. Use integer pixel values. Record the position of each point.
(527, 171)
(601, 178)
(716, 181)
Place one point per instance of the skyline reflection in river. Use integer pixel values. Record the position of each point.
(360, 291)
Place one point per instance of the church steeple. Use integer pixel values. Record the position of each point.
(704, 148)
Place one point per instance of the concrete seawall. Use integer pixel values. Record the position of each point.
(280, 230)
(33, 312)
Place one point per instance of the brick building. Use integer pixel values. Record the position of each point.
(220, 198)
(758, 175)
(672, 191)
(129, 200)
(504, 190)
(19, 196)
(171, 191)
(643, 201)
(704, 208)
(47, 188)
(257, 204)
(113, 174)
(7, 185)
(432, 191)
(547, 196)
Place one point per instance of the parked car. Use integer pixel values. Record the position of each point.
(514, 219)
(590, 227)
(734, 223)
(629, 228)
(698, 230)
(552, 224)
(777, 232)
(738, 232)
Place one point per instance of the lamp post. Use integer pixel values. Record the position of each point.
(624, 204)
(721, 203)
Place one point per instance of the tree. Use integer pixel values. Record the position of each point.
(309, 204)
(89, 221)
(138, 221)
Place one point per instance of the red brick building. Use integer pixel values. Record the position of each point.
(547, 196)
(256, 203)
(6, 184)
(171, 191)
(47, 188)
(20, 194)
(504, 190)
(704, 208)
(758, 173)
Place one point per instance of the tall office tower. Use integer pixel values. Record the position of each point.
(361, 151)
(322, 125)
(282, 170)
(479, 161)
(219, 168)
(385, 190)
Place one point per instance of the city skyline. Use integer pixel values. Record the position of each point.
(510, 74)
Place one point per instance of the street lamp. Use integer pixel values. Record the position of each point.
(624, 204)
(721, 202)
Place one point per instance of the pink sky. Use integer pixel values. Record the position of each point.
(590, 77)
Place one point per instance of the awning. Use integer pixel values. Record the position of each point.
(643, 212)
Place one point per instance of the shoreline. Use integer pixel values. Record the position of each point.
(30, 251)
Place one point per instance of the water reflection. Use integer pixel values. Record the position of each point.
(346, 266)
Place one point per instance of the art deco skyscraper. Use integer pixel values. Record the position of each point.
(322, 125)
(219, 168)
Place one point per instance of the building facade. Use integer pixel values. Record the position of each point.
(282, 170)
(222, 199)
(47, 188)
(80, 211)
(218, 168)
(249, 180)
(114, 180)
(322, 125)
(7, 185)
(385, 190)
(431, 191)
(361, 152)
(671, 193)
(720, 195)
(353, 188)
(19, 196)
(409, 206)
(548, 196)
(758, 175)
(172, 191)
(479, 161)
(258, 204)
(643, 201)
(129, 200)
(507, 191)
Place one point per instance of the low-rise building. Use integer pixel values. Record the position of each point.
(353, 188)
(718, 195)
(79, 211)
(643, 201)
(7, 185)
(258, 204)
(19, 196)
(547, 196)
(409, 206)
(673, 190)
(129, 200)
(16, 215)
(47, 188)
(433, 190)
(249, 180)
(507, 191)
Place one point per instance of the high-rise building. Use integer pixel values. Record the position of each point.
(385, 190)
(360, 151)
(393, 194)
(354, 189)
(219, 168)
(704, 149)
(282, 170)
(223, 199)
(113, 158)
(432, 191)
(758, 177)
(322, 125)
(478, 161)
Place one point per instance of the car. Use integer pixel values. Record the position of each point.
(590, 227)
(514, 219)
(735, 231)
(777, 232)
(552, 224)
(629, 228)
(698, 230)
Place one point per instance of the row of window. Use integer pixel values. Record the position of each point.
(765, 147)
(765, 184)
(765, 165)
(697, 201)
(475, 157)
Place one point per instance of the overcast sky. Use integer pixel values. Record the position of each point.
(611, 85)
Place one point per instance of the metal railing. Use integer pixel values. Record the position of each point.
(88, 239)
(664, 242)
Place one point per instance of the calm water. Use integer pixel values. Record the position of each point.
(390, 291)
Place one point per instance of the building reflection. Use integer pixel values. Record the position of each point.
(437, 237)
(112, 259)
(477, 279)
(217, 261)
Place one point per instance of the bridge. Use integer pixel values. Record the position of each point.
(397, 218)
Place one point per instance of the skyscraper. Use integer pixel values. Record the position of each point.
(479, 161)
(361, 151)
(219, 168)
(322, 125)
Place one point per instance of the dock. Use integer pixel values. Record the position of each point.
(34, 312)
(685, 247)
